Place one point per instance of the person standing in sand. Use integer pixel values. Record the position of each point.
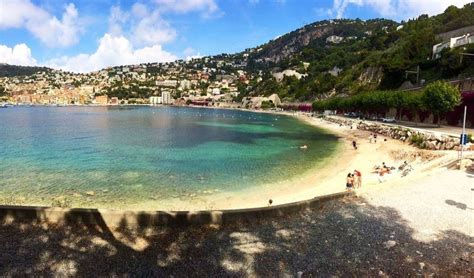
(357, 179)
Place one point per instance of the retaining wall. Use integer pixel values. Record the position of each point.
(145, 219)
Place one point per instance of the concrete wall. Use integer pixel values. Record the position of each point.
(144, 219)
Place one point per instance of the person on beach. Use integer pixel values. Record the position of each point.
(354, 145)
(384, 170)
(349, 181)
(357, 179)
(375, 138)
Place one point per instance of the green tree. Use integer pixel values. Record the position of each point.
(440, 97)
(3, 91)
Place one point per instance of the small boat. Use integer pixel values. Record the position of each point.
(3, 106)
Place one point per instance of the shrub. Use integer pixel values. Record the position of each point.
(417, 140)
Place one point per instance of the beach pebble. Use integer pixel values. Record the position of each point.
(389, 244)
(90, 193)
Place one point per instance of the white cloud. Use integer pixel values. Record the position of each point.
(398, 9)
(150, 28)
(49, 29)
(190, 53)
(117, 19)
(208, 8)
(112, 51)
(20, 54)
(140, 25)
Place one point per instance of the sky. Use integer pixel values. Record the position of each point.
(88, 35)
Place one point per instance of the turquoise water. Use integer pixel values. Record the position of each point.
(130, 154)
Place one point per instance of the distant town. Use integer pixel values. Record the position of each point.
(205, 81)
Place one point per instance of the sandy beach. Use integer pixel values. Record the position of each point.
(326, 179)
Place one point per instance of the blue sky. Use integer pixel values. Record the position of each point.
(81, 36)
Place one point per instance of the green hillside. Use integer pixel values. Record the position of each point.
(373, 55)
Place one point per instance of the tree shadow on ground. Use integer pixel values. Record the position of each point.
(345, 237)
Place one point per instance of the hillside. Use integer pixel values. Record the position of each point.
(351, 56)
(7, 70)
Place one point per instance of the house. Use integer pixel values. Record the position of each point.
(335, 71)
(452, 43)
(156, 100)
(166, 97)
(102, 100)
(334, 39)
(114, 101)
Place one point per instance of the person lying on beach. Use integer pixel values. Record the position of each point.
(377, 167)
(401, 167)
(384, 171)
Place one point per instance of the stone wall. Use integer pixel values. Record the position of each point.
(419, 138)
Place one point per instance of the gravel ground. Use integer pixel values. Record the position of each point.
(346, 237)
(441, 201)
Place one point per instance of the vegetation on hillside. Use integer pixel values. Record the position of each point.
(12, 70)
(374, 55)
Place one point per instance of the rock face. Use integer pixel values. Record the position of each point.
(256, 102)
(421, 139)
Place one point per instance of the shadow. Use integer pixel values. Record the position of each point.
(457, 204)
(339, 238)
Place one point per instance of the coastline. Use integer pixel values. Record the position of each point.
(325, 177)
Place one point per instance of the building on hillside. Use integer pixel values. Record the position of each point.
(334, 39)
(452, 43)
(114, 101)
(156, 100)
(166, 97)
(335, 71)
(102, 100)
(167, 83)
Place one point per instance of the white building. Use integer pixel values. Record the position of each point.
(334, 39)
(166, 97)
(167, 83)
(452, 43)
(156, 100)
(216, 91)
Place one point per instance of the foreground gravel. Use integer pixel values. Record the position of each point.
(346, 237)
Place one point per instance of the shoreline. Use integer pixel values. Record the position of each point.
(325, 177)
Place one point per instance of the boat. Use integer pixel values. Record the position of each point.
(3, 105)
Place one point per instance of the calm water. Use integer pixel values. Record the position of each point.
(131, 154)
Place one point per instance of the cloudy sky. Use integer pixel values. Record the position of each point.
(87, 35)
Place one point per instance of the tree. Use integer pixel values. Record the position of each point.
(440, 97)
(3, 91)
